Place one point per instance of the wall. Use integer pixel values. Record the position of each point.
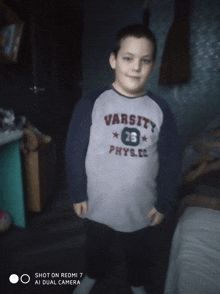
(58, 62)
(194, 104)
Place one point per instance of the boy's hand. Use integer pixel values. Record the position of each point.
(81, 208)
(156, 216)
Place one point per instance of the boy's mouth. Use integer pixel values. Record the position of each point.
(133, 77)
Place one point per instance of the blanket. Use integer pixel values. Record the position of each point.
(194, 266)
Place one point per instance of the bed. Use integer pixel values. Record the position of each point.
(194, 262)
(194, 265)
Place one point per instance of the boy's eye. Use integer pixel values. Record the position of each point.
(146, 60)
(127, 58)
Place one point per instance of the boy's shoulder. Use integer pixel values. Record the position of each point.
(94, 94)
(87, 101)
(160, 101)
(90, 98)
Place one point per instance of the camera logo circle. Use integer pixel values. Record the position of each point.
(14, 278)
(25, 279)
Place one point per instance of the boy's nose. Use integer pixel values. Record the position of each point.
(137, 65)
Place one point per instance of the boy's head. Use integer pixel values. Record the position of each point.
(133, 59)
(137, 31)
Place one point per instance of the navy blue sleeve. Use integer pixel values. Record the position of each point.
(169, 149)
(76, 147)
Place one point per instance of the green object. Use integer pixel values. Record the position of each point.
(11, 184)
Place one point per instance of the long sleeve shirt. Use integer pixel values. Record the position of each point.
(122, 156)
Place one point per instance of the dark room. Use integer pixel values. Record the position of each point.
(68, 221)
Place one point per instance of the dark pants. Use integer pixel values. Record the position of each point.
(127, 256)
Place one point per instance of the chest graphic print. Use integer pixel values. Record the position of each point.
(135, 132)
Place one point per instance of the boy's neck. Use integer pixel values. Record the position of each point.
(131, 96)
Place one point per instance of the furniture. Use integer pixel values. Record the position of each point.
(194, 265)
(39, 160)
(11, 182)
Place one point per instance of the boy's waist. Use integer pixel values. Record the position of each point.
(124, 212)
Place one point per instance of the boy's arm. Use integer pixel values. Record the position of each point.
(155, 216)
(81, 208)
(76, 148)
(169, 164)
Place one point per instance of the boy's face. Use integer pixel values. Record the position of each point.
(133, 65)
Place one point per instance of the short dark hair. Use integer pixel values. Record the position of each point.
(138, 31)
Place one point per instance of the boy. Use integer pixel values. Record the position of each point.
(122, 161)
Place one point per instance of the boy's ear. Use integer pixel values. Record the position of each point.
(112, 60)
